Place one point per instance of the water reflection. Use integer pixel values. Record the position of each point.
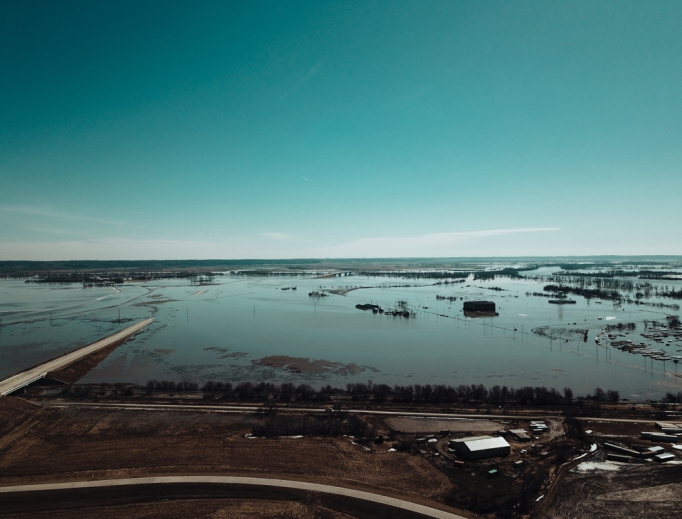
(226, 330)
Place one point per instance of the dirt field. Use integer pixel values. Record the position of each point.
(433, 425)
(199, 509)
(51, 444)
(619, 429)
(647, 490)
(57, 444)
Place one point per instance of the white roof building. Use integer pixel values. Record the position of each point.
(479, 447)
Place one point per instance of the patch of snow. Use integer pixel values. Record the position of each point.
(586, 466)
(593, 447)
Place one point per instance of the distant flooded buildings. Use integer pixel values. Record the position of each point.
(479, 306)
(479, 309)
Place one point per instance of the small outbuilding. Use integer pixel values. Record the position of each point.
(663, 438)
(662, 458)
(520, 435)
(480, 447)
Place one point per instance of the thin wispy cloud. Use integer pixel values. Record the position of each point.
(436, 244)
(306, 77)
(275, 235)
(49, 213)
(56, 232)
(305, 179)
(136, 249)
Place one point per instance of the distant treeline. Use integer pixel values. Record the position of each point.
(540, 294)
(642, 274)
(615, 295)
(621, 326)
(505, 272)
(381, 393)
(109, 278)
(578, 266)
(610, 295)
(448, 298)
(483, 275)
(28, 267)
(267, 273)
(673, 398)
(672, 306)
(643, 290)
(415, 274)
(624, 285)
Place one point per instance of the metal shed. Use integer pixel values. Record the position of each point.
(479, 447)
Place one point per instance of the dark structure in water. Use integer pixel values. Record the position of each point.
(479, 306)
(368, 307)
(479, 309)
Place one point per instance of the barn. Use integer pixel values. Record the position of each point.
(479, 447)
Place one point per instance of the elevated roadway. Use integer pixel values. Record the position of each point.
(29, 376)
(23, 497)
(248, 409)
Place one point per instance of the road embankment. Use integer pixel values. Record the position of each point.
(31, 375)
(47, 497)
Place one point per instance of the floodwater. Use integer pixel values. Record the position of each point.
(223, 332)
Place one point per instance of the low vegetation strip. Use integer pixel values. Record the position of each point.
(236, 480)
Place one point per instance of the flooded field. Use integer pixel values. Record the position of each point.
(307, 329)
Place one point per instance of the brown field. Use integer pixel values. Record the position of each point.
(433, 425)
(65, 444)
(198, 508)
(58, 444)
(638, 490)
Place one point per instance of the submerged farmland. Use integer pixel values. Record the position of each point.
(225, 324)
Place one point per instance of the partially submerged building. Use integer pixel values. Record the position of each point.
(480, 447)
(479, 306)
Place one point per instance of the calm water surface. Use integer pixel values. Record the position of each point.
(222, 331)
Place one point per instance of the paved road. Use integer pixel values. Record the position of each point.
(234, 480)
(247, 409)
(259, 408)
(38, 372)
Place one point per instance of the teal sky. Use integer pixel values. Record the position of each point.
(140, 130)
